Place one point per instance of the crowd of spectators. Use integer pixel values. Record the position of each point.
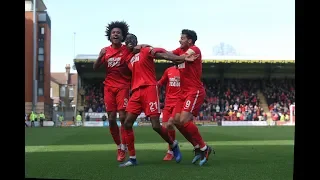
(280, 94)
(94, 98)
(230, 100)
(233, 99)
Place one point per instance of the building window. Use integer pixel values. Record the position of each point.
(41, 51)
(41, 71)
(62, 91)
(42, 30)
(41, 42)
(42, 17)
(40, 57)
(71, 92)
(41, 74)
(41, 78)
(40, 64)
(40, 92)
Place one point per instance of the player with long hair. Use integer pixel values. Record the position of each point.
(117, 81)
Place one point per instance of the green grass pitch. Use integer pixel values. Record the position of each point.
(248, 153)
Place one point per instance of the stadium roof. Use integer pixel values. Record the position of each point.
(87, 56)
(92, 57)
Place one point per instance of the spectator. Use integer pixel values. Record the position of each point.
(87, 117)
(104, 117)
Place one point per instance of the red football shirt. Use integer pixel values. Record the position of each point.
(143, 69)
(171, 78)
(118, 73)
(190, 72)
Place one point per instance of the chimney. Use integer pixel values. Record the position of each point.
(68, 73)
(68, 68)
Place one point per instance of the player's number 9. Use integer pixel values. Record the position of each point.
(187, 105)
(153, 106)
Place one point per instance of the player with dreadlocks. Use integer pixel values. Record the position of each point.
(117, 81)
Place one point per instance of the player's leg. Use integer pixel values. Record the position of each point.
(165, 118)
(170, 126)
(133, 110)
(191, 108)
(163, 132)
(111, 109)
(122, 102)
(176, 122)
(151, 107)
(185, 133)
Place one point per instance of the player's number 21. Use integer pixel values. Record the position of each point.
(153, 106)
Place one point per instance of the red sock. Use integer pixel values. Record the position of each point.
(114, 130)
(172, 134)
(192, 130)
(186, 135)
(165, 135)
(129, 135)
(123, 137)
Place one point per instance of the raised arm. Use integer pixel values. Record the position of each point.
(100, 59)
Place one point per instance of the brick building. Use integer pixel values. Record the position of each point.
(63, 91)
(44, 102)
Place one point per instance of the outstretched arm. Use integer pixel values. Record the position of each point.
(99, 61)
(138, 47)
(171, 57)
(160, 53)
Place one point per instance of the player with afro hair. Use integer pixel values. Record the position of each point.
(117, 81)
(115, 30)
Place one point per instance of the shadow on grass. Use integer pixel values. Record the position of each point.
(82, 136)
(230, 163)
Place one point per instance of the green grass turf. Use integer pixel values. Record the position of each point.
(249, 153)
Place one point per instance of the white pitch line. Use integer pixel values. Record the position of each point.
(150, 146)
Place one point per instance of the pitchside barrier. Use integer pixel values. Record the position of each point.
(96, 121)
(37, 123)
(198, 123)
(101, 124)
(98, 116)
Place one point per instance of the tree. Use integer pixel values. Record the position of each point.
(224, 49)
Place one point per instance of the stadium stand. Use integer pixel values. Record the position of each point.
(237, 89)
(236, 100)
(280, 94)
(94, 98)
